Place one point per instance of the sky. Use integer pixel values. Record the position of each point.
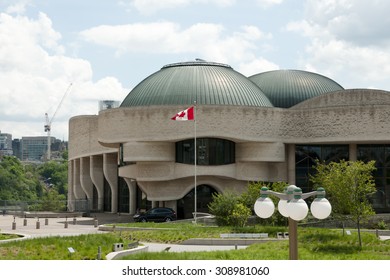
(90, 50)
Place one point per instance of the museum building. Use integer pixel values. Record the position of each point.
(268, 127)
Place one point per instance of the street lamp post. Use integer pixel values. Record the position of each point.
(292, 205)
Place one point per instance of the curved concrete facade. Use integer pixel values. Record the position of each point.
(138, 144)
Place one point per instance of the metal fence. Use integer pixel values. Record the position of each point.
(21, 207)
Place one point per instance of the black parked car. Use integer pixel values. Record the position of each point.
(159, 214)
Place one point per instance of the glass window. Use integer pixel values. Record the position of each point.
(305, 160)
(381, 154)
(123, 195)
(210, 151)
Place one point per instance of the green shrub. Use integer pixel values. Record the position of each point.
(381, 225)
(239, 215)
(231, 209)
(222, 207)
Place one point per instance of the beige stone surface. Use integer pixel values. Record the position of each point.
(146, 137)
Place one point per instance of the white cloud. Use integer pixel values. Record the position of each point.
(19, 7)
(206, 40)
(149, 7)
(256, 66)
(35, 72)
(356, 21)
(134, 37)
(152, 6)
(368, 66)
(349, 40)
(269, 3)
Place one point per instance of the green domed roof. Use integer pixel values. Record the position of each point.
(286, 88)
(206, 83)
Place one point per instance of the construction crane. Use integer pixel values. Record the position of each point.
(48, 122)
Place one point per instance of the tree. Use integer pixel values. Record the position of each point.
(222, 207)
(52, 201)
(234, 209)
(348, 185)
(46, 183)
(17, 182)
(55, 175)
(239, 215)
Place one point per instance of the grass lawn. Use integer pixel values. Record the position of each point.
(314, 244)
(8, 236)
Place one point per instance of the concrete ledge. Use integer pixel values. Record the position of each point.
(244, 235)
(119, 228)
(120, 254)
(21, 236)
(224, 242)
(381, 232)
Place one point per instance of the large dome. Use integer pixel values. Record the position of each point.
(286, 88)
(206, 83)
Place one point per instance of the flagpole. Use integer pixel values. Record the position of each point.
(187, 115)
(195, 159)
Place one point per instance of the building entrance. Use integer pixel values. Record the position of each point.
(186, 206)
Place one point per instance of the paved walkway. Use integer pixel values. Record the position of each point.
(86, 225)
(54, 226)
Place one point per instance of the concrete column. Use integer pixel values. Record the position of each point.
(71, 204)
(352, 152)
(155, 203)
(291, 164)
(85, 179)
(171, 204)
(132, 185)
(77, 189)
(110, 169)
(96, 170)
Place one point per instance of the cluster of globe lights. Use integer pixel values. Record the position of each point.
(292, 204)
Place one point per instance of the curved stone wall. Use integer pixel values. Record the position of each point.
(83, 137)
(146, 136)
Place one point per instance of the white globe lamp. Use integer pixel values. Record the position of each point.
(282, 207)
(264, 207)
(297, 207)
(320, 207)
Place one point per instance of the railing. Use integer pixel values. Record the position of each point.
(21, 207)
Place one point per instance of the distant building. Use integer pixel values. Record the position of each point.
(16, 148)
(108, 104)
(34, 148)
(31, 148)
(57, 148)
(5, 144)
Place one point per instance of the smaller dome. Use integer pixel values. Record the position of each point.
(286, 88)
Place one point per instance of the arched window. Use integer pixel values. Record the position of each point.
(210, 151)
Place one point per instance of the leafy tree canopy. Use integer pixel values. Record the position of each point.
(348, 185)
(16, 181)
(32, 182)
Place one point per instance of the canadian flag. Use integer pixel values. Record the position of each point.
(186, 115)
